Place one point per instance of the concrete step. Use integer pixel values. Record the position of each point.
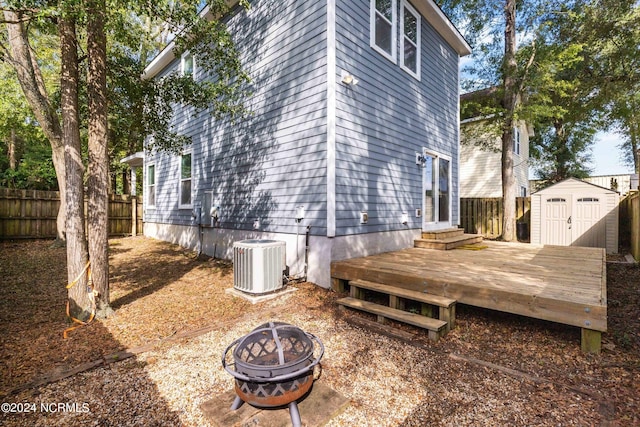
(448, 243)
(442, 234)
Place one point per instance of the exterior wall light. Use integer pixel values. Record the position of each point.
(348, 79)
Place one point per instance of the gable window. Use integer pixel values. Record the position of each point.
(187, 66)
(410, 41)
(185, 180)
(516, 140)
(151, 186)
(383, 27)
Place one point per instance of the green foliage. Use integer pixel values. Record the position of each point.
(34, 171)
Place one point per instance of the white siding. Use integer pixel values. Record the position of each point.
(480, 170)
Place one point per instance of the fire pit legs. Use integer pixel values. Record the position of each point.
(237, 403)
(295, 414)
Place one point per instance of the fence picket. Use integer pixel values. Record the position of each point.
(484, 215)
(31, 214)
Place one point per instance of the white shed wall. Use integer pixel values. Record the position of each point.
(573, 190)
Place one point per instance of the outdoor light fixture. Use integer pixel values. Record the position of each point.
(348, 79)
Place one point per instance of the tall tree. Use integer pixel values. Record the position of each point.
(510, 99)
(222, 95)
(494, 31)
(98, 181)
(79, 301)
(17, 52)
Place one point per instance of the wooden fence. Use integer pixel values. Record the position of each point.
(29, 214)
(484, 216)
(629, 214)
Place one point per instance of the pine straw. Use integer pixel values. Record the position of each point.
(493, 369)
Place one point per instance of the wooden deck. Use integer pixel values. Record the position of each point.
(560, 284)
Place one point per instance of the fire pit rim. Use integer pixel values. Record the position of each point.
(277, 378)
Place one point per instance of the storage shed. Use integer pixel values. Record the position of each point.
(575, 213)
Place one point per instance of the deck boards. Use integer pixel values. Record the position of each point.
(561, 284)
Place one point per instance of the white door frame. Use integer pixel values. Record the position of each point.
(432, 163)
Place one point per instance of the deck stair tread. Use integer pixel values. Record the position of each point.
(433, 325)
(442, 234)
(448, 242)
(438, 300)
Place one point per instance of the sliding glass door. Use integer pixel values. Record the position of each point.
(437, 191)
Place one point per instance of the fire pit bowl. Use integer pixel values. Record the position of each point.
(273, 366)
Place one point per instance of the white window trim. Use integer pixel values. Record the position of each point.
(394, 30)
(182, 61)
(516, 140)
(147, 185)
(404, 5)
(180, 205)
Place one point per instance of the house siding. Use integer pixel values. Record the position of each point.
(263, 166)
(481, 169)
(383, 121)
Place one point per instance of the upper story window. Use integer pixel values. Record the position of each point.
(383, 27)
(187, 64)
(185, 180)
(151, 185)
(410, 41)
(516, 140)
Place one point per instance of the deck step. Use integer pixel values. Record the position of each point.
(435, 327)
(442, 234)
(446, 306)
(448, 243)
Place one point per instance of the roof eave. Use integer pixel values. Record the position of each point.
(436, 17)
(168, 54)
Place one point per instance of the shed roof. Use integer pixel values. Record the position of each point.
(564, 181)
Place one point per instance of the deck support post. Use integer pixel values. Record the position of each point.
(591, 341)
(339, 285)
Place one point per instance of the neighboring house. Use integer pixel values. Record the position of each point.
(481, 157)
(354, 134)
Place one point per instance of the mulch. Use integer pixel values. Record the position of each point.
(160, 292)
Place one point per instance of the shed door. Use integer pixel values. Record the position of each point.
(589, 224)
(557, 220)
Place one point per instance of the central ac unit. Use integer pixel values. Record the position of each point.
(258, 265)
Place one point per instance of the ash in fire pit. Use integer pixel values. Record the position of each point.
(273, 366)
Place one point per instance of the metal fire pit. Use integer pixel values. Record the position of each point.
(273, 366)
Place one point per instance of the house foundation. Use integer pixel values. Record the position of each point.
(218, 243)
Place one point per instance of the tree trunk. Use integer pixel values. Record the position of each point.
(23, 61)
(98, 181)
(510, 102)
(13, 142)
(80, 306)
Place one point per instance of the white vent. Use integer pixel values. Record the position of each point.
(258, 265)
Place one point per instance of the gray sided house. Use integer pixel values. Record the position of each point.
(355, 114)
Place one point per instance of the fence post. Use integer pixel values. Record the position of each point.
(134, 216)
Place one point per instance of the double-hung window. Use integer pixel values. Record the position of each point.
(410, 40)
(151, 186)
(187, 66)
(185, 180)
(516, 140)
(383, 27)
